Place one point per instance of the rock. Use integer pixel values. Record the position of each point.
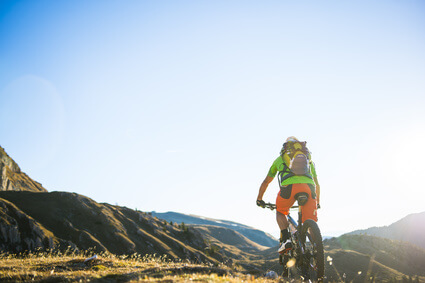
(12, 179)
(18, 231)
(272, 274)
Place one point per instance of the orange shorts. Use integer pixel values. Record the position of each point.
(286, 199)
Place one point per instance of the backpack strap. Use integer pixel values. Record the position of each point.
(285, 169)
(289, 174)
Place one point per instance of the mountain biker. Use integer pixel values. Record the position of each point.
(289, 188)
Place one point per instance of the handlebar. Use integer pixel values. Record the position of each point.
(272, 206)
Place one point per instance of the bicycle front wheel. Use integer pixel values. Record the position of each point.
(313, 257)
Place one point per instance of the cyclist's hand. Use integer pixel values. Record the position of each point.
(318, 205)
(261, 203)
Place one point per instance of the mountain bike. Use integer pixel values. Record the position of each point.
(306, 257)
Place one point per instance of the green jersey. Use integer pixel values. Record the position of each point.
(278, 166)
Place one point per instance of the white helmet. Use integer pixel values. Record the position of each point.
(292, 139)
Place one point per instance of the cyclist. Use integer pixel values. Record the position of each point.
(290, 186)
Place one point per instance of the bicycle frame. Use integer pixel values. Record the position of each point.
(298, 250)
(292, 221)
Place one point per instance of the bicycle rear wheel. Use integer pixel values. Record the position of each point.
(313, 264)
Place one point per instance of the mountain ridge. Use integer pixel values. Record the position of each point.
(69, 220)
(255, 235)
(410, 228)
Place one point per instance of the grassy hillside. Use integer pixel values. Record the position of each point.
(360, 257)
(228, 237)
(58, 220)
(48, 267)
(255, 235)
(61, 221)
(408, 229)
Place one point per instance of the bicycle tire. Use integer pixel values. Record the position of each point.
(313, 258)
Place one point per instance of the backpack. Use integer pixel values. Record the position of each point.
(296, 157)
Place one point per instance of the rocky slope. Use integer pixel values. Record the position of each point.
(19, 232)
(60, 220)
(13, 179)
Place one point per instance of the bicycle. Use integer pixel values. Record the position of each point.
(306, 257)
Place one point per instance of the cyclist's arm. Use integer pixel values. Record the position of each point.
(314, 174)
(317, 189)
(270, 176)
(264, 186)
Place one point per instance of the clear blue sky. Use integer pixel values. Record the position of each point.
(183, 105)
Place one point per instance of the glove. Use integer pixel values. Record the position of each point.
(318, 205)
(261, 203)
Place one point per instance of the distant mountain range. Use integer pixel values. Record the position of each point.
(408, 229)
(255, 235)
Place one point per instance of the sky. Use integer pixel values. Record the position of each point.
(184, 105)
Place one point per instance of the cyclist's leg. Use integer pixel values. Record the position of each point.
(309, 210)
(282, 221)
(284, 201)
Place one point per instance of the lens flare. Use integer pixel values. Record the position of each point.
(291, 263)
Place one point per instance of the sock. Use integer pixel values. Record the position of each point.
(284, 235)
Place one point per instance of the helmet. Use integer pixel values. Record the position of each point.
(292, 139)
(289, 139)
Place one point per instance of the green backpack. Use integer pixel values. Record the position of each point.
(296, 160)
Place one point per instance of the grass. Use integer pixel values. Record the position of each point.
(73, 267)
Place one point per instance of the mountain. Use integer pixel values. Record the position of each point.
(360, 257)
(229, 237)
(32, 218)
(60, 220)
(13, 179)
(68, 221)
(408, 229)
(257, 236)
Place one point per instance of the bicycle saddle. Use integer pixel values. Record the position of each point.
(302, 198)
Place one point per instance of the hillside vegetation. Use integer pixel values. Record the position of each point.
(408, 229)
(255, 235)
(72, 267)
(361, 257)
(57, 220)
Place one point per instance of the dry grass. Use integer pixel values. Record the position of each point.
(72, 267)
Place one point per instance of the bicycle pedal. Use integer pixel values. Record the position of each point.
(285, 251)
